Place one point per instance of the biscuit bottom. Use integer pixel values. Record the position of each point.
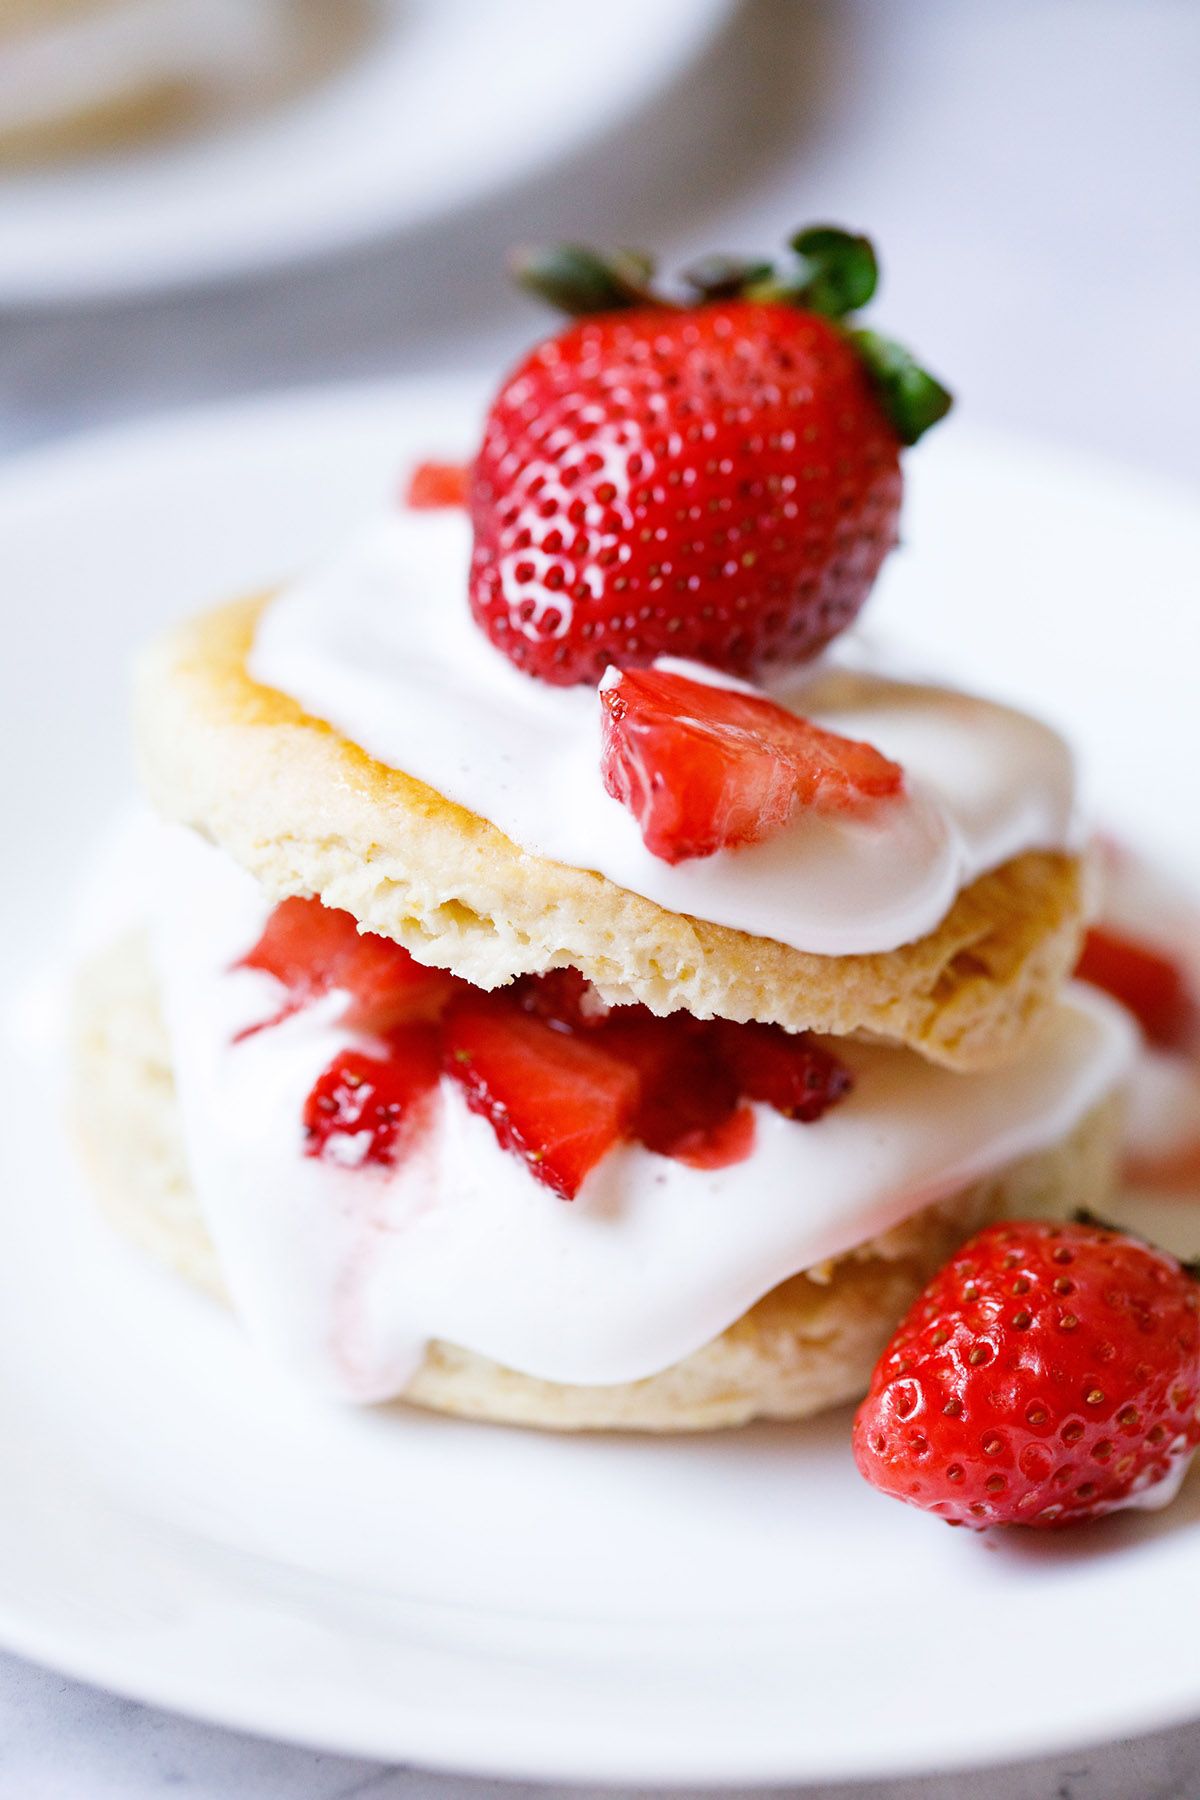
(810, 1343)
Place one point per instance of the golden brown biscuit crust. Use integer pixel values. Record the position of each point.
(308, 812)
(810, 1343)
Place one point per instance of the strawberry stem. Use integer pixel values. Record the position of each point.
(835, 273)
(721, 277)
(580, 281)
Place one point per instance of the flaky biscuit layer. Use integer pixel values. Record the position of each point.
(308, 812)
(809, 1344)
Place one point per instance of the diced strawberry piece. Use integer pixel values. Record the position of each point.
(706, 768)
(368, 1109)
(560, 1075)
(719, 1146)
(313, 948)
(691, 1076)
(564, 998)
(438, 484)
(554, 1097)
(1154, 988)
(788, 1071)
(686, 1091)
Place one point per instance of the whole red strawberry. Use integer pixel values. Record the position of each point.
(718, 480)
(1048, 1374)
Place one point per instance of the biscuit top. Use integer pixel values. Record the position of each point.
(379, 644)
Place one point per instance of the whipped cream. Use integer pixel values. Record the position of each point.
(380, 644)
(346, 1274)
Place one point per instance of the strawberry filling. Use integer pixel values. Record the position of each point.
(366, 1109)
(1152, 987)
(558, 1099)
(706, 768)
(559, 1075)
(312, 949)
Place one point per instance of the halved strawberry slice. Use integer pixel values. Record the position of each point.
(312, 948)
(790, 1072)
(706, 768)
(368, 1109)
(557, 1099)
(1154, 988)
(437, 484)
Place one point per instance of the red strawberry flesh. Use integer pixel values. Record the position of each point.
(791, 1073)
(433, 485)
(720, 483)
(555, 1098)
(706, 768)
(686, 1094)
(1149, 984)
(560, 1075)
(564, 999)
(369, 1109)
(1048, 1374)
(312, 949)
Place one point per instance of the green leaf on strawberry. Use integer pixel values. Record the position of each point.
(912, 398)
(579, 280)
(836, 272)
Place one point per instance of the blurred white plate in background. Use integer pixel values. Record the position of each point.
(179, 1524)
(449, 101)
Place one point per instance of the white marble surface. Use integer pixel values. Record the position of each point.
(1031, 170)
(60, 1740)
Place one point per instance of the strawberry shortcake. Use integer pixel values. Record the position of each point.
(586, 988)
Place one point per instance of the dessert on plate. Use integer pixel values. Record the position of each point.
(584, 986)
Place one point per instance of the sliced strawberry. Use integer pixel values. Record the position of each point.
(548, 1054)
(563, 997)
(706, 768)
(790, 1072)
(1154, 988)
(560, 1075)
(438, 484)
(554, 1097)
(687, 1094)
(719, 1146)
(368, 1109)
(312, 948)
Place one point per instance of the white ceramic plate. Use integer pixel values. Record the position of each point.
(450, 101)
(178, 1524)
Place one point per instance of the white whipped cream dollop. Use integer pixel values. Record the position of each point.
(380, 644)
(346, 1274)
